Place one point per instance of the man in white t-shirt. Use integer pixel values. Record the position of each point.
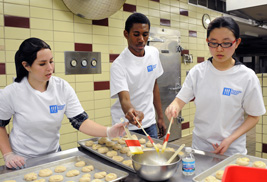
(133, 79)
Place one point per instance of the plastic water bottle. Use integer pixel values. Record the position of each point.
(188, 162)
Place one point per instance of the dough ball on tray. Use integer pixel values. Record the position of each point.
(128, 163)
(242, 161)
(88, 168)
(102, 150)
(39, 180)
(219, 174)
(118, 158)
(56, 178)
(100, 175)
(149, 144)
(211, 179)
(170, 149)
(121, 141)
(30, 176)
(110, 144)
(80, 164)
(60, 169)
(259, 164)
(96, 180)
(124, 150)
(72, 173)
(89, 143)
(85, 178)
(45, 172)
(142, 141)
(117, 146)
(102, 140)
(96, 146)
(110, 177)
(112, 153)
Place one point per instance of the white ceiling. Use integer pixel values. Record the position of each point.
(257, 23)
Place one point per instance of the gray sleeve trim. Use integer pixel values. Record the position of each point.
(77, 121)
(3, 123)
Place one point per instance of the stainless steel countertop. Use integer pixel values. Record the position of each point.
(204, 161)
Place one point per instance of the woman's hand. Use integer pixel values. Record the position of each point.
(14, 161)
(222, 148)
(116, 130)
(172, 110)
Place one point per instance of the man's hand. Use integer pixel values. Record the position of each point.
(132, 115)
(161, 127)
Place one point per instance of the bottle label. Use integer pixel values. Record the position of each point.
(188, 166)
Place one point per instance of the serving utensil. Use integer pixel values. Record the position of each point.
(132, 143)
(175, 154)
(150, 139)
(152, 167)
(166, 137)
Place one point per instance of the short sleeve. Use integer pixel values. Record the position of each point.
(118, 80)
(73, 105)
(160, 69)
(186, 93)
(253, 103)
(6, 108)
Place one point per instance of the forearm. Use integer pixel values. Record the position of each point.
(157, 101)
(180, 104)
(4, 141)
(249, 123)
(125, 101)
(92, 128)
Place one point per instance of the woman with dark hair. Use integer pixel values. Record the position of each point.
(224, 90)
(38, 101)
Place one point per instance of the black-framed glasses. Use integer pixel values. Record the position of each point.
(223, 45)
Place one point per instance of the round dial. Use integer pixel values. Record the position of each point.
(84, 63)
(205, 20)
(73, 63)
(93, 62)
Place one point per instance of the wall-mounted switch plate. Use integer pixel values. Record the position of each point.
(80, 62)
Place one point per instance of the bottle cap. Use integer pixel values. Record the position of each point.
(188, 149)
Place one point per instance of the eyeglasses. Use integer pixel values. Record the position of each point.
(223, 45)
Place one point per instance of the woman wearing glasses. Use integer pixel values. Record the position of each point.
(224, 90)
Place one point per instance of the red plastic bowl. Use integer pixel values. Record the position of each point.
(244, 174)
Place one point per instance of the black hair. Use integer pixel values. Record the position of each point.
(28, 52)
(136, 18)
(226, 22)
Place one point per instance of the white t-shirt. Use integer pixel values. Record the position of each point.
(137, 75)
(37, 116)
(221, 99)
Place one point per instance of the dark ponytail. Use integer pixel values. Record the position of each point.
(226, 22)
(28, 52)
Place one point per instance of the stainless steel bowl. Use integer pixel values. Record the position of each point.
(152, 166)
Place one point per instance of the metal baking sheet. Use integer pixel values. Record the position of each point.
(139, 136)
(69, 163)
(223, 164)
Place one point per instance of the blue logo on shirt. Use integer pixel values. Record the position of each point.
(229, 91)
(151, 67)
(56, 108)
